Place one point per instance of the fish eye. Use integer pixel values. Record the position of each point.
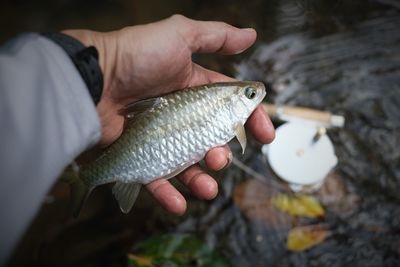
(250, 92)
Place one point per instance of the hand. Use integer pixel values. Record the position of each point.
(149, 60)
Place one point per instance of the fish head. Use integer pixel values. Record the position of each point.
(248, 95)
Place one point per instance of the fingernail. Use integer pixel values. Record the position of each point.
(248, 29)
(213, 190)
(240, 51)
(228, 160)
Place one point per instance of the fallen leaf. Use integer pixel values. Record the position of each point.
(334, 194)
(177, 250)
(141, 261)
(254, 199)
(304, 237)
(299, 205)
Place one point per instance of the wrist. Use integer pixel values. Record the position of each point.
(106, 108)
(85, 59)
(106, 48)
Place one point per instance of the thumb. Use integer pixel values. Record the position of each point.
(215, 37)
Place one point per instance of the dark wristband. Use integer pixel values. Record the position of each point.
(85, 60)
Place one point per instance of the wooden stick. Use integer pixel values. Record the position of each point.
(288, 113)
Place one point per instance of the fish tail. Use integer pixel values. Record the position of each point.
(79, 190)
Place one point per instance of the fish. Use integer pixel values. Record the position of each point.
(165, 135)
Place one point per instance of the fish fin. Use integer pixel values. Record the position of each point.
(240, 134)
(133, 109)
(126, 194)
(79, 194)
(79, 191)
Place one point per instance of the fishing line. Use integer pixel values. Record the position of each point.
(259, 176)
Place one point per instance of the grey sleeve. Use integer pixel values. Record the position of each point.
(46, 119)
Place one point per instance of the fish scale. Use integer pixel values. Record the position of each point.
(165, 135)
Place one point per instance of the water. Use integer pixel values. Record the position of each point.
(339, 56)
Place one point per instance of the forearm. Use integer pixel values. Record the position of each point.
(46, 118)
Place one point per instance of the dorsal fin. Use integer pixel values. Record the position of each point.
(133, 109)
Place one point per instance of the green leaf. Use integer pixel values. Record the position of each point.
(174, 251)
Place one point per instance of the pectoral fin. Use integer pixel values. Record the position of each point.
(134, 109)
(126, 194)
(240, 133)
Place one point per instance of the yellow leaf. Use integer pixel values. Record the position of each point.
(304, 237)
(300, 205)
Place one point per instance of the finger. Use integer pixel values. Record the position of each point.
(261, 126)
(212, 36)
(199, 182)
(167, 195)
(218, 158)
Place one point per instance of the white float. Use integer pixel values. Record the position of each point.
(301, 154)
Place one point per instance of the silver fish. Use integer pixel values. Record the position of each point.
(165, 135)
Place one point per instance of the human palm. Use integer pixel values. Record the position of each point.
(154, 59)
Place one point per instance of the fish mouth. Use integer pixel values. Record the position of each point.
(263, 91)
